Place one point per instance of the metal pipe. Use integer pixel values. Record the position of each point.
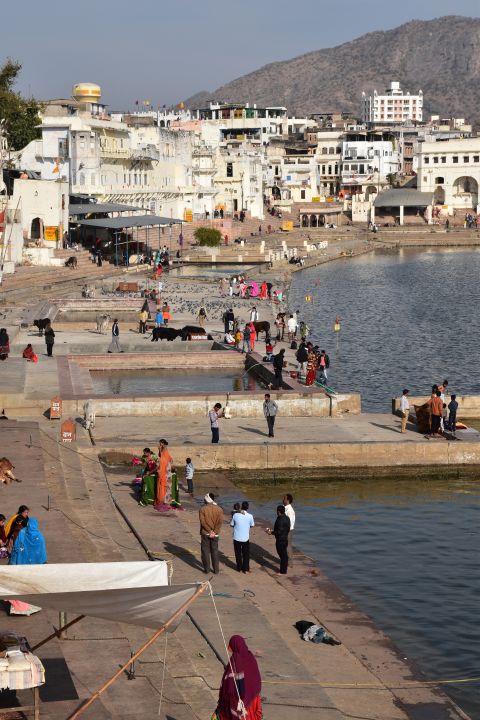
(202, 587)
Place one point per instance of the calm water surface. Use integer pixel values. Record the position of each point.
(409, 319)
(177, 382)
(407, 552)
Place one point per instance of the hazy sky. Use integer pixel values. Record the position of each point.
(166, 51)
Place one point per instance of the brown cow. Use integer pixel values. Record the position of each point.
(6, 471)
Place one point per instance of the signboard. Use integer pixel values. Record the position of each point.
(188, 215)
(51, 233)
(55, 408)
(68, 431)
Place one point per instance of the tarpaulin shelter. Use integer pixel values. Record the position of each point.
(137, 593)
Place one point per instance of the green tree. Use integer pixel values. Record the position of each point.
(20, 114)
(208, 236)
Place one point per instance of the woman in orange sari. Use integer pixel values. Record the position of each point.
(163, 494)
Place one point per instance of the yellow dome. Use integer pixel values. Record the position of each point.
(87, 92)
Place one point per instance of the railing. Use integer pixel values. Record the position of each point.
(115, 152)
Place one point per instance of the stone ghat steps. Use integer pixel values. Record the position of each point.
(38, 283)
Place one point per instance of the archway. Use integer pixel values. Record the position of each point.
(371, 190)
(36, 229)
(439, 195)
(321, 220)
(305, 221)
(313, 221)
(276, 192)
(466, 188)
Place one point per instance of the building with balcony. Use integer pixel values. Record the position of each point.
(370, 162)
(394, 106)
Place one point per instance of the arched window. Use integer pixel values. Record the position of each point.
(439, 180)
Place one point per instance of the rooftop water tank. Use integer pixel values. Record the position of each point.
(87, 92)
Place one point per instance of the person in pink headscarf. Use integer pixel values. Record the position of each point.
(239, 697)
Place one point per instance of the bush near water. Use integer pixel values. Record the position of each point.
(209, 237)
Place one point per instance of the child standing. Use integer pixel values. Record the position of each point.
(452, 417)
(189, 470)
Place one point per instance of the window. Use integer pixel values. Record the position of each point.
(455, 158)
(476, 158)
(466, 158)
(426, 160)
(229, 169)
(331, 151)
(339, 150)
(324, 151)
(302, 194)
(435, 160)
(145, 179)
(63, 148)
(444, 158)
(439, 180)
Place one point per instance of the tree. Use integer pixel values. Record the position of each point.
(20, 114)
(209, 237)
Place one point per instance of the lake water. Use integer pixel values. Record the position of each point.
(409, 319)
(407, 552)
(176, 382)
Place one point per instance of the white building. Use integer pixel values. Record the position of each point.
(328, 159)
(370, 160)
(394, 106)
(451, 170)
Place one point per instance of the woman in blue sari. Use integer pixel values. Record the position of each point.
(29, 546)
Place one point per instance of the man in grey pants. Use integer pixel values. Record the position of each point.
(115, 344)
(270, 409)
(211, 520)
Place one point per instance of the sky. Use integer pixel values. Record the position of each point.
(167, 51)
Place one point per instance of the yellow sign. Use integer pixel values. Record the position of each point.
(51, 232)
(315, 199)
(188, 215)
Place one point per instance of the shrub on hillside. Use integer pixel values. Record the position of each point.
(209, 237)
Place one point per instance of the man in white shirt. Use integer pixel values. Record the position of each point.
(290, 513)
(241, 523)
(291, 328)
(404, 409)
(254, 315)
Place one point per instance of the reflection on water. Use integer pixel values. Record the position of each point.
(408, 319)
(177, 382)
(406, 551)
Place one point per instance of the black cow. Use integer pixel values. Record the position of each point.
(262, 326)
(165, 333)
(188, 330)
(41, 325)
(71, 262)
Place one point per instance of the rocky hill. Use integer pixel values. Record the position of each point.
(440, 57)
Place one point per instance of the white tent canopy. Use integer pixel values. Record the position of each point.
(131, 592)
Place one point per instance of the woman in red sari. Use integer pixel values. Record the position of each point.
(253, 335)
(311, 368)
(263, 291)
(239, 697)
(163, 493)
(29, 355)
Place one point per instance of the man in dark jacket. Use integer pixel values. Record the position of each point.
(301, 357)
(228, 320)
(278, 361)
(115, 344)
(281, 530)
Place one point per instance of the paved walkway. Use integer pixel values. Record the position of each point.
(186, 430)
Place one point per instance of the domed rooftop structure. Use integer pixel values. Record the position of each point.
(87, 92)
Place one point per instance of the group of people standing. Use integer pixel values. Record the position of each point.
(240, 287)
(211, 519)
(312, 363)
(21, 540)
(157, 479)
(442, 415)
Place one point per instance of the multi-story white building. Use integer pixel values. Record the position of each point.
(370, 160)
(328, 158)
(394, 106)
(129, 159)
(451, 170)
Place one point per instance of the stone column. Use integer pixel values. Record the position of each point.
(401, 214)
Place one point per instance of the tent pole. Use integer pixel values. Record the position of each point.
(57, 632)
(202, 587)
